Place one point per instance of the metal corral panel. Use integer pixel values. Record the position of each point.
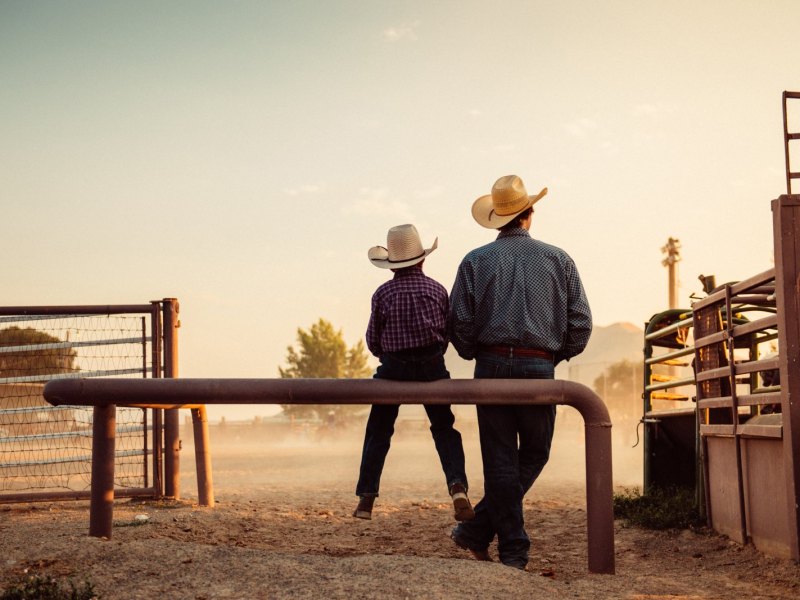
(765, 495)
(722, 481)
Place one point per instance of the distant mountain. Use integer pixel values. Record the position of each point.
(607, 345)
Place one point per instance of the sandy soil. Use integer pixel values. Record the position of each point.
(282, 528)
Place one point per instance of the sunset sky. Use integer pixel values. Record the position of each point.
(243, 156)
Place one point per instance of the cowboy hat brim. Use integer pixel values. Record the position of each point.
(483, 211)
(379, 256)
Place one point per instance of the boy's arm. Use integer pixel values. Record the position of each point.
(374, 330)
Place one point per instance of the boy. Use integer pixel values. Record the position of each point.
(408, 332)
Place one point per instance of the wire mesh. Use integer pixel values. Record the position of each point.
(45, 448)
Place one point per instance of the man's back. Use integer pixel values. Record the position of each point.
(519, 291)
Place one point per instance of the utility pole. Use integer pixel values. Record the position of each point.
(672, 250)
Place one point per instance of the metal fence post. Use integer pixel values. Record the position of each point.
(786, 232)
(101, 507)
(202, 456)
(172, 440)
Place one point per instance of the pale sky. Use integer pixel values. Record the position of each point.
(243, 156)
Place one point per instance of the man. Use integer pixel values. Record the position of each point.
(518, 308)
(407, 331)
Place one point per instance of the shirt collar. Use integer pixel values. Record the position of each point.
(515, 232)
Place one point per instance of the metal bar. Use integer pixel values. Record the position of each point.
(669, 356)
(758, 279)
(756, 366)
(76, 375)
(670, 384)
(713, 298)
(158, 433)
(760, 431)
(710, 339)
(717, 430)
(101, 507)
(68, 311)
(64, 434)
(71, 459)
(144, 492)
(761, 399)
(770, 322)
(735, 414)
(754, 300)
(60, 345)
(786, 96)
(712, 374)
(179, 392)
(667, 330)
(737, 288)
(723, 402)
(144, 411)
(172, 435)
(34, 409)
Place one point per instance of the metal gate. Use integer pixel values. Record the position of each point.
(45, 451)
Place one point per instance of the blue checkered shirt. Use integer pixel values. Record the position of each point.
(408, 311)
(519, 291)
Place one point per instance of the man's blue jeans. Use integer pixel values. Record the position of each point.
(417, 365)
(515, 446)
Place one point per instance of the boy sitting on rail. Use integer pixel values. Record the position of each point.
(407, 331)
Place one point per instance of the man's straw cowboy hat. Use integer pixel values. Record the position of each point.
(404, 249)
(507, 200)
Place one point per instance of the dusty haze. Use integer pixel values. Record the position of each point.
(282, 528)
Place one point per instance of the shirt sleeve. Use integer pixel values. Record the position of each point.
(374, 329)
(579, 316)
(461, 320)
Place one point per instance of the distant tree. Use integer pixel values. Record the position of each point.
(322, 352)
(34, 361)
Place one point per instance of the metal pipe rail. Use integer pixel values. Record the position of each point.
(106, 394)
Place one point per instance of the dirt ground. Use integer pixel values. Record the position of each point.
(282, 529)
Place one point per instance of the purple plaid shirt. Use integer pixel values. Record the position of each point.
(408, 311)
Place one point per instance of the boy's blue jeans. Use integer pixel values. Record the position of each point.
(422, 364)
(515, 446)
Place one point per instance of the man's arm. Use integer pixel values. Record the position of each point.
(461, 322)
(579, 315)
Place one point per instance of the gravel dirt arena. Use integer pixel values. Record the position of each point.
(282, 528)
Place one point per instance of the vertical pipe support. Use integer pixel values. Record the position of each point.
(101, 508)
(599, 498)
(202, 456)
(172, 435)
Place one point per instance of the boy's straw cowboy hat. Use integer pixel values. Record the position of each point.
(507, 200)
(404, 249)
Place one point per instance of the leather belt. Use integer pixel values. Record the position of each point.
(516, 351)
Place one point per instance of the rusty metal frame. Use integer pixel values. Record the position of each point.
(718, 371)
(786, 227)
(788, 137)
(106, 394)
(153, 310)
